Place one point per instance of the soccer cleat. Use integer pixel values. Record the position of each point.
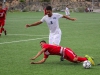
(98, 64)
(0, 34)
(5, 32)
(90, 59)
(61, 58)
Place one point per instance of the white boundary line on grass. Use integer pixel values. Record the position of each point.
(26, 35)
(22, 40)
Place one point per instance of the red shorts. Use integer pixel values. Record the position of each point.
(2, 23)
(69, 55)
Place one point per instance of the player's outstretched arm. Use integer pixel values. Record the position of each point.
(39, 62)
(38, 54)
(34, 24)
(73, 19)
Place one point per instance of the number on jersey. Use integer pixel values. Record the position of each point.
(51, 22)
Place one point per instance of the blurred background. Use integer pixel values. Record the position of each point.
(58, 5)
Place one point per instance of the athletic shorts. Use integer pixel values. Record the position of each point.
(69, 55)
(55, 38)
(2, 23)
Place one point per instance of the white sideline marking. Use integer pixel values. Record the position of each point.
(22, 40)
(26, 35)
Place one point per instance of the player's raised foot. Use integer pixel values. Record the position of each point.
(5, 32)
(61, 58)
(90, 59)
(0, 34)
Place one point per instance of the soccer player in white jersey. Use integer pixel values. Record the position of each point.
(53, 24)
(67, 11)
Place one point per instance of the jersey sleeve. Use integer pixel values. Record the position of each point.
(46, 46)
(46, 56)
(43, 19)
(59, 15)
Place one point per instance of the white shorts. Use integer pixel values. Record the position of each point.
(55, 38)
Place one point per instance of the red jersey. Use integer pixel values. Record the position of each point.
(51, 50)
(67, 53)
(3, 14)
(45, 12)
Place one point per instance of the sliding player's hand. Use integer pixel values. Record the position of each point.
(32, 63)
(27, 25)
(73, 19)
(32, 59)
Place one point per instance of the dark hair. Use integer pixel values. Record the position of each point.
(49, 8)
(43, 41)
(0, 4)
(67, 5)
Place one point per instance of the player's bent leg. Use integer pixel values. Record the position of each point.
(2, 27)
(61, 58)
(75, 59)
(50, 38)
(71, 56)
(57, 36)
(57, 39)
(0, 34)
(80, 59)
(5, 32)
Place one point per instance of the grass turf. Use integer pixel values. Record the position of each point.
(83, 36)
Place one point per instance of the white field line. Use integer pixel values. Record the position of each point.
(22, 40)
(26, 35)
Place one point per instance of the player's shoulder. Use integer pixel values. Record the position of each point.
(45, 45)
(4, 9)
(45, 16)
(56, 14)
(66, 8)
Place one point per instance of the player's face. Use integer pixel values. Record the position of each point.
(41, 44)
(49, 13)
(0, 7)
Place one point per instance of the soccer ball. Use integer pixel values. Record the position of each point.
(87, 64)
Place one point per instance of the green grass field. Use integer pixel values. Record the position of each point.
(21, 44)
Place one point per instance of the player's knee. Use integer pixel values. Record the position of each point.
(75, 59)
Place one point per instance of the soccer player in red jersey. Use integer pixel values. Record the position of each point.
(67, 54)
(2, 18)
(45, 11)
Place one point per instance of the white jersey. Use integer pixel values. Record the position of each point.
(52, 21)
(67, 11)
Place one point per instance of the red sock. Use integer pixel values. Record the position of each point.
(81, 59)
